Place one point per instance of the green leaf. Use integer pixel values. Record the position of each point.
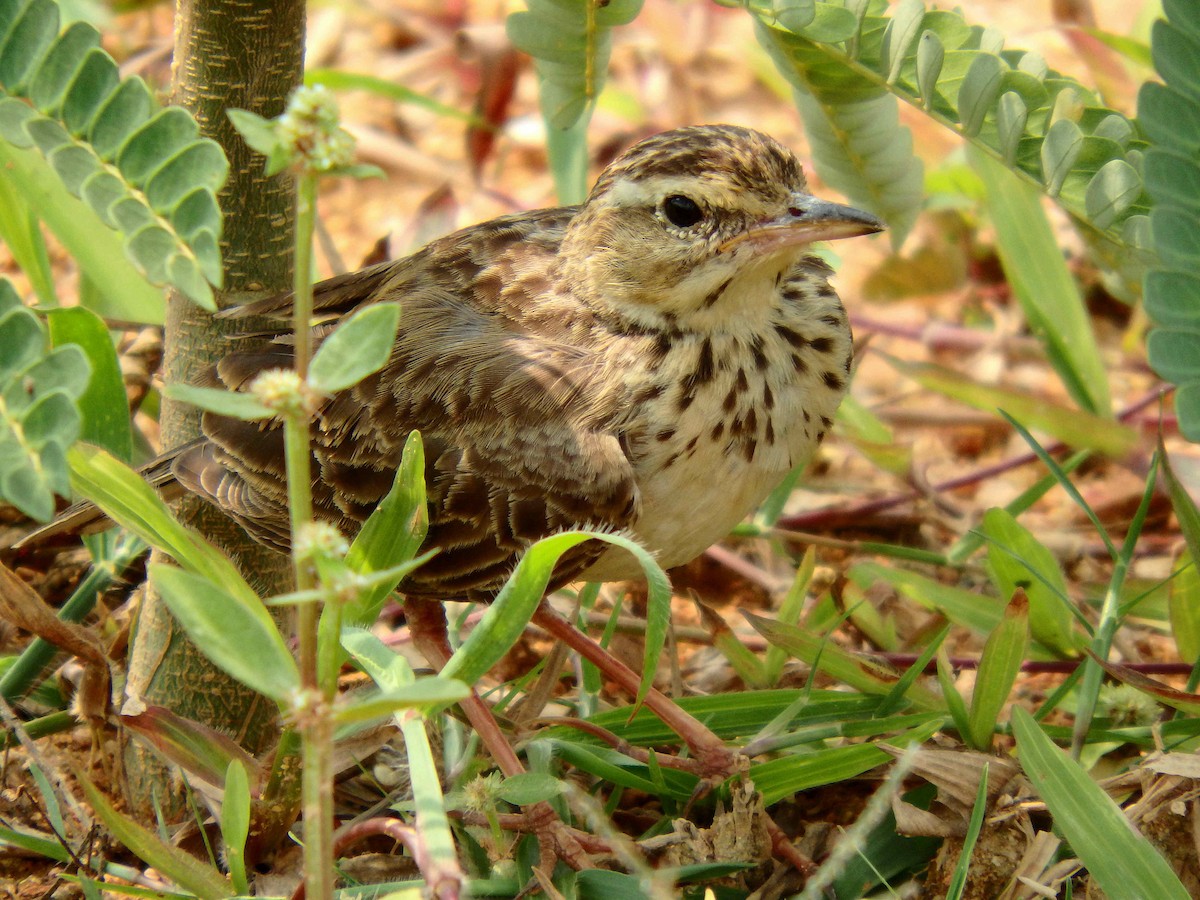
(1012, 116)
(340, 80)
(235, 823)
(87, 123)
(931, 55)
(1183, 604)
(199, 166)
(96, 78)
(979, 91)
(238, 635)
(970, 609)
(1072, 426)
(1041, 282)
(1060, 151)
(570, 44)
(424, 693)
(1123, 863)
(818, 651)
(901, 31)
(56, 70)
(529, 787)
(39, 415)
(392, 534)
(1111, 192)
(1173, 178)
(180, 866)
(957, 72)
(128, 500)
(104, 405)
(954, 701)
(358, 347)
(387, 668)
(235, 404)
(1185, 586)
(788, 775)
(20, 232)
(119, 115)
(26, 41)
(999, 666)
(1170, 115)
(958, 881)
(432, 823)
(506, 617)
(258, 133)
(1172, 352)
(166, 133)
(1016, 559)
(96, 249)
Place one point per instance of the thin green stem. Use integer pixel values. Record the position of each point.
(302, 293)
(296, 437)
(300, 499)
(316, 723)
(1110, 620)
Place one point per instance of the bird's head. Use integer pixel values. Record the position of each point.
(698, 210)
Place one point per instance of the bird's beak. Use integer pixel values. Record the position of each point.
(806, 221)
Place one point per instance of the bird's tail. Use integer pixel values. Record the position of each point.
(85, 517)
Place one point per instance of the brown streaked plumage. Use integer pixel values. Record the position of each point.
(653, 361)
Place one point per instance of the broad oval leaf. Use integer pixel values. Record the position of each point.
(979, 91)
(358, 347)
(1111, 192)
(529, 787)
(236, 635)
(931, 54)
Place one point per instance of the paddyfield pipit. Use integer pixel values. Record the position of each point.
(653, 362)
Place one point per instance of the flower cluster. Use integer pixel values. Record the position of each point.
(309, 129)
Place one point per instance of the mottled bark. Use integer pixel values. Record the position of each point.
(228, 54)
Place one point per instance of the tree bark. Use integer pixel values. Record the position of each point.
(246, 54)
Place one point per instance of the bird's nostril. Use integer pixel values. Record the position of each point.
(795, 211)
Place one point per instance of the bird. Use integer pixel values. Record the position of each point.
(651, 362)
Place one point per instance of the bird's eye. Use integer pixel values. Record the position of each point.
(681, 211)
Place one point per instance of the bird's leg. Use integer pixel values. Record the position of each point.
(427, 625)
(714, 760)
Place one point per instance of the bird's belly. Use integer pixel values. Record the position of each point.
(689, 506)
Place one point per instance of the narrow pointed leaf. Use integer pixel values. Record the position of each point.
(506, 617)
(1016, 559)
(392, 534)
(999, 666)
(1040, 280)
(180, 866)
(1123, 863)
(235, 404)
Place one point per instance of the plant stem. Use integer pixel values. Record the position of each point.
(316, 723)
(296, 427)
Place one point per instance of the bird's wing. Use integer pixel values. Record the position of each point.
(513, 449)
